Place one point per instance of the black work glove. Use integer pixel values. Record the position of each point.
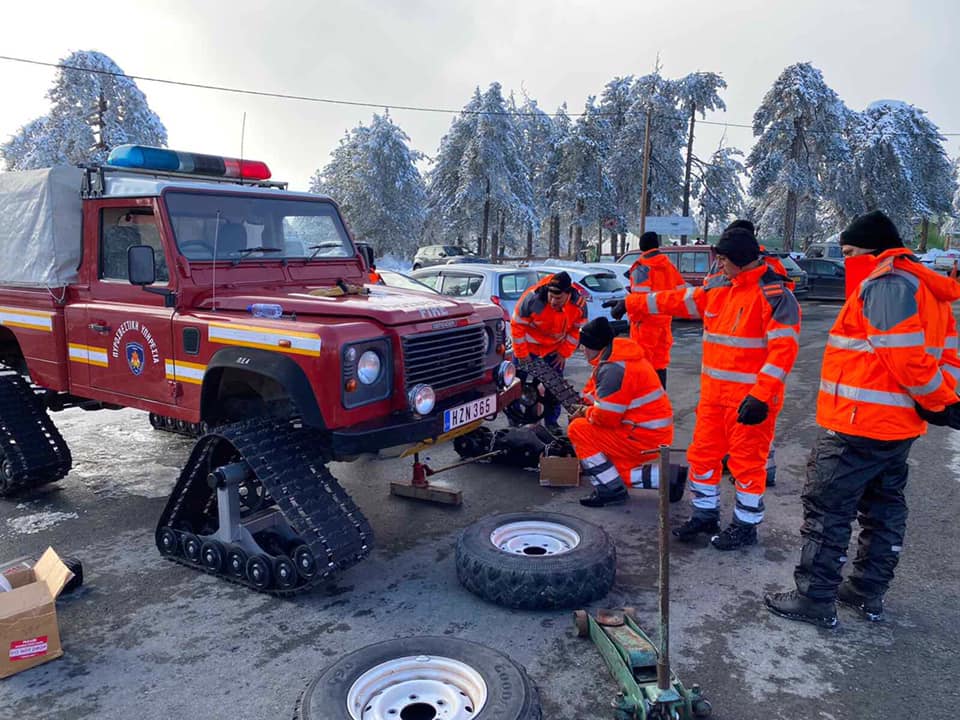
(619, 308)
(752, 411)
(948, 417)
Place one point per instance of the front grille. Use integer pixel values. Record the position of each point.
(443, 359)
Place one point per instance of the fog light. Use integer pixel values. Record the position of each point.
(351, 385)
(506, 374)
(421, 398)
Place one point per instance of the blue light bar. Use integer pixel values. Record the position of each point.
(152, 158)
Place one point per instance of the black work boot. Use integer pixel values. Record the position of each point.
(794, 606)
(602, 495)
(688, 531)
(870, 608)
(735, 535)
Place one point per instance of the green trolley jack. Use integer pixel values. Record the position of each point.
(648, 690)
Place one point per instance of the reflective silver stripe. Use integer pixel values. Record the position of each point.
(646, 399)
(935, 382)
(636, 476)
(951, 342)
(773, 371)
(730, 375)
(734, 341)
(652, 302)
(935, 351)
(608, 476)
(897, 340)
(951, 370)
(572, 339)
(680, 287)
(612, 407)
(705, 476)
(691, 305)
(594, 460)
(650, 424)
(849, 343)
(589, 396)
(705, 496)
(877, 397)
(520, 321)
(749, 508)
(783, 332)
(640, 290)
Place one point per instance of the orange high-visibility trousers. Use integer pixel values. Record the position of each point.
(627, 452)
(717, 434)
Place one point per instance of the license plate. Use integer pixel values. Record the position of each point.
(469, 412)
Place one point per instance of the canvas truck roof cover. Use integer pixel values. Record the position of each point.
(40, 227)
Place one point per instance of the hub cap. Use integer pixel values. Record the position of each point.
(535, 538)
(421, 687)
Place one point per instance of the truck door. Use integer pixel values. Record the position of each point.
(129, 330)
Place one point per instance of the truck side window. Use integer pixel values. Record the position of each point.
(121, 228)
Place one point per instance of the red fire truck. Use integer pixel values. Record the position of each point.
(195, 288)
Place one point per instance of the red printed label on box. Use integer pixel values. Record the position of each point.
(24, 649)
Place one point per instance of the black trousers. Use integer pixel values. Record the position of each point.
(662, 374)
(852, 477)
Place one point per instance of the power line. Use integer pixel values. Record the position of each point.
(360, 103)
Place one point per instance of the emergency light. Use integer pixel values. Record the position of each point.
(143, 157)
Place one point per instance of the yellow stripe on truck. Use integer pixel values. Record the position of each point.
(29, 319)
(296, 343)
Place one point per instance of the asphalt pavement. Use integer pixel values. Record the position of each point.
(149, 639)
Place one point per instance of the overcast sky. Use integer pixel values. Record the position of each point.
(433, 53)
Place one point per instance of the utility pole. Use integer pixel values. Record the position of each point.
(646, 168)
(599, 205)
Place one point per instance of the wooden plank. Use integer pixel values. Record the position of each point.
(430, 493)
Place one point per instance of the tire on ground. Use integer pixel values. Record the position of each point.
(536, 582)
(510, 693)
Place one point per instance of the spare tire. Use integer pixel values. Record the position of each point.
(536, 560)
(421, 677)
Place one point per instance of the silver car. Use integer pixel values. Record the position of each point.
(498, 284)
(600, 285)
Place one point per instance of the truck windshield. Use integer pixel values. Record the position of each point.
(233, 227)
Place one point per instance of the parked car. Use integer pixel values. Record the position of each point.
(946, 261)
(693, 261)
(618, 269)
(794, 271)
(599, 285)
(829, 251)
(826, 279)
(392, 278)
(500, 284)
(430, 255)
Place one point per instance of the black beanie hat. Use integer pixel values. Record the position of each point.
(596, 334)
(873, 231)
(560, 282)
(745, 224)
(739, 246)
(649, 240)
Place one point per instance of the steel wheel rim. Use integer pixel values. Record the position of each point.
(417, 687)
(534, 538)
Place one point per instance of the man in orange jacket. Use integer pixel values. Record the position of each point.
(889, 368)
(653, 272)
(546, 323)
(627, 416)
(751, 329)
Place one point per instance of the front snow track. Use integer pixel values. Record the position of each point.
(287, 526)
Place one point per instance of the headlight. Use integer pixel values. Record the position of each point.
(506, 374)
(422, 399)
(368, 368)
(486, 340)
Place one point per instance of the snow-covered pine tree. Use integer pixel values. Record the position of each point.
(372, 174)
(717, 186)
(903, 166)
(615, 102)
(492, 171)
(697, 92)
(538, 143)
(447, 220)
(94, 109)
(801, 147)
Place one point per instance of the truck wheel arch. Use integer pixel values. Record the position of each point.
(238, 363)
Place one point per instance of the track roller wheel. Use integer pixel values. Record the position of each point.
(285, 572)
(305, 561)
(212, 555)
(191, 547)
(6, 474)
(581, 623)
(258, 571)
(168, 541)
(237, 563)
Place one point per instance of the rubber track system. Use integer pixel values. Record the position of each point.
(33, 451)
(177, 427)
(287, 461)
(554, 384)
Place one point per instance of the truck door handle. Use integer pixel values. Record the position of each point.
(99, 327)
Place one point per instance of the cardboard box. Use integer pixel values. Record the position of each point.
(29, 630)
(559, 471)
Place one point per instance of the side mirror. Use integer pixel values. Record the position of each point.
(366, 252)
(141, 265)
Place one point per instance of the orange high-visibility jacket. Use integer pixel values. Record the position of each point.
(539, 330)
(374, 278)
(624, 390)
(774, 263)
(653, 272)
(893, 343)
(751, 330)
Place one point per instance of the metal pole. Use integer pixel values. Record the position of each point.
(643, 181)
(663, 657)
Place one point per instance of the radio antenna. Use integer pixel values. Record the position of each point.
(243, 132)
(216, 238)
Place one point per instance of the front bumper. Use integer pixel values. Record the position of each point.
(407, 428)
